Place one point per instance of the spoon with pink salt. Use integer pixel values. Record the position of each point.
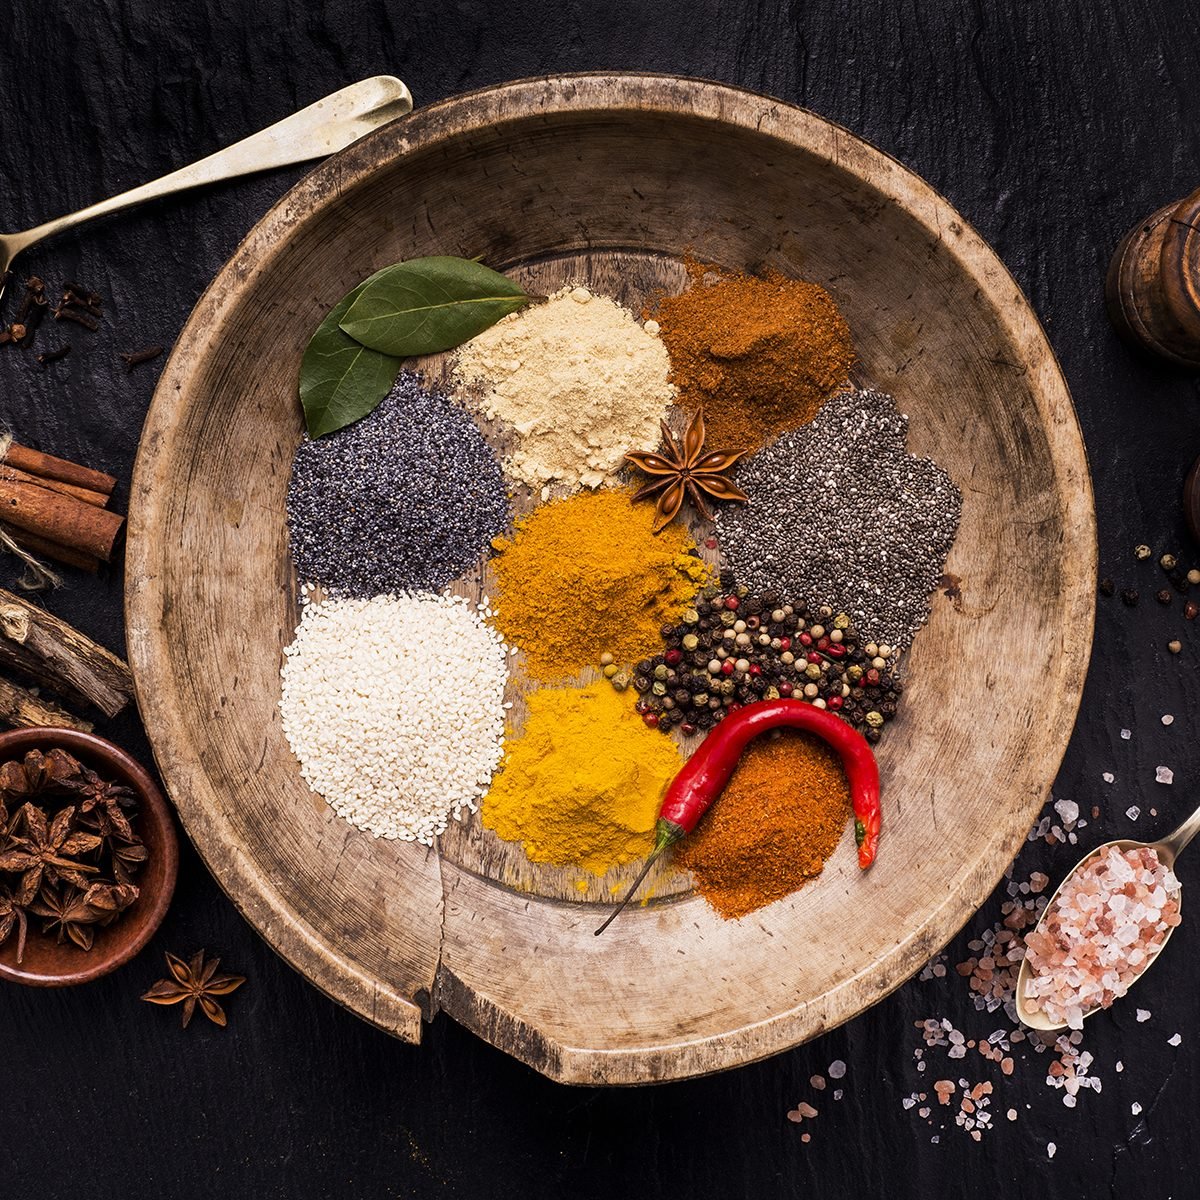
(1101, 930)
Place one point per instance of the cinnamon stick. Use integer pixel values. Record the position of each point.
(48, 549)
(19, 707)
(61, 519)
(11, 473)
(54, 653)
(49, 467)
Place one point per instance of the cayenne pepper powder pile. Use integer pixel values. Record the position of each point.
(780, 817)
(760, 354)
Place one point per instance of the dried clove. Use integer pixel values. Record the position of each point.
(64, 313)
(54, 355)
(134, 358)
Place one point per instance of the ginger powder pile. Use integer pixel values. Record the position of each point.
(576, 381)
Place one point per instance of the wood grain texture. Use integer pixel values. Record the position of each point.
(510, 174)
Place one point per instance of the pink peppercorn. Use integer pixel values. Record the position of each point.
(755, 669)
(731, 603)
(813, 657)
(650, 720)
(823, 643)
(727, 667)
(673, 657)
(785, 689)
(805, 640)
(785, 643)
(834, 702)
(836, 651)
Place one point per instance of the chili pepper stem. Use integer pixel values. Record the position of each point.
(666, 834)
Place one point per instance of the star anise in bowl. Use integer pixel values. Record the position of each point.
(87, 846)
(687, 471)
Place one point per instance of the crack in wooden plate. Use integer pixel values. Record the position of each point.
(613, 179)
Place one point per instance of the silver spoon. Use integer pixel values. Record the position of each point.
(320, 129)
(1168, 850)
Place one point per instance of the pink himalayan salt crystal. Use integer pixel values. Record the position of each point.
(1101, 932)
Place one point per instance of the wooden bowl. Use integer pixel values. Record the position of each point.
(46, 963)
(613, 179)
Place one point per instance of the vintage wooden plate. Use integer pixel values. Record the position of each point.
(613, 178)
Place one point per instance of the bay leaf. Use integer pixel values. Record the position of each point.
(427, 305)
(342, 380)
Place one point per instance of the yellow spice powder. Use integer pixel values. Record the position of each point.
(582, 784)
(586, 575)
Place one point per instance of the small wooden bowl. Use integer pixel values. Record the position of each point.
(50, 964)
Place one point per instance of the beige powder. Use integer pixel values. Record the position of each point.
(577, 381)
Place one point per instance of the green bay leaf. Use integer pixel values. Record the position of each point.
(342, 380)
(427, 305)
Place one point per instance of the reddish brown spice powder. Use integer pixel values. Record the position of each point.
(772, 828)
(760, 353)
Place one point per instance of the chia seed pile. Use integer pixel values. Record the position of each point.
(407, 498)
(841, 514)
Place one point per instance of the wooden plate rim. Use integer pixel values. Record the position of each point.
(200, 810)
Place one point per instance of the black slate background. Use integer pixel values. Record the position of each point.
(1052, 127)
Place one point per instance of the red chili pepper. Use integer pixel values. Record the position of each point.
(704, 776)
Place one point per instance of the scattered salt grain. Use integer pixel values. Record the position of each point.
(1133, 812)
(1106, 924)
(1164, 775)
(1011, 1114)
(1119, 1067)
(1174, 1041)
(1051, 1148)
(1067, 810)
(1108, 777)
(837, 1069)
(1135, 1108)
(818, 1082)
(1143, 1014)
(1167, 719)
(1126, 734)
(838, 1093)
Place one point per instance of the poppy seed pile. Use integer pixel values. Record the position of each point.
(408, 497)
(842, 514)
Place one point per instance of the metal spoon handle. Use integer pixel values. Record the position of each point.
(1179, 838)
(320, 129)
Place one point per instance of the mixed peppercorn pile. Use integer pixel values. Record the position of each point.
(734, 648)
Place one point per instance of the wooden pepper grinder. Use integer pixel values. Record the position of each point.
(1153, 284)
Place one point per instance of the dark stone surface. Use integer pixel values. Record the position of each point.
(1052, 127)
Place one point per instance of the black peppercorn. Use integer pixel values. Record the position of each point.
(1163, 597)
(1107, 587)
(1129, 597)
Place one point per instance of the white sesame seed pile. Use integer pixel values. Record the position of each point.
(395, 708)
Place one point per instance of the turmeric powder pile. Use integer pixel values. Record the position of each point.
(761, 354)
(582, 783)
(586, 576)
(772, 828)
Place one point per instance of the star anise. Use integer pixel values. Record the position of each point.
(685, 472)
(69, 913)
(127, 858)
(47, 851)
(195, 982)
(38, 772)
(103, 801)
(12, 914)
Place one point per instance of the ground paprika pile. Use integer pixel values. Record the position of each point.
(770, 832)
(761, 354)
